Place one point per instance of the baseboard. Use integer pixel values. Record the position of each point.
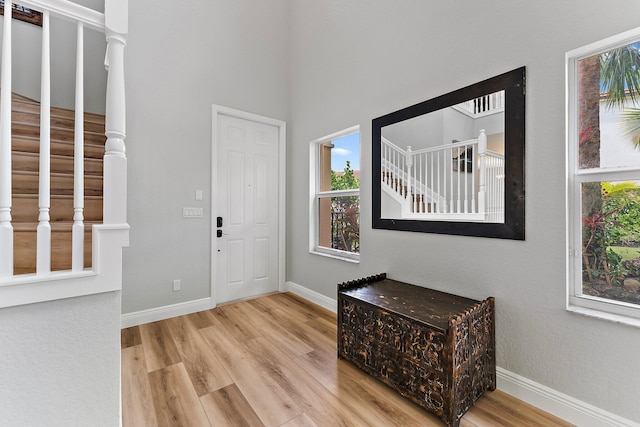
(561, 405)
(313, 296)
(154, 314)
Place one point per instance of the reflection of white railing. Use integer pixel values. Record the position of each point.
(494, 168)
(483, 105)
(460, 181)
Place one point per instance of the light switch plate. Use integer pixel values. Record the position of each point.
(192, 212)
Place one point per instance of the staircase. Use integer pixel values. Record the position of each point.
(59, 216)
(412, 197)
(25, 148)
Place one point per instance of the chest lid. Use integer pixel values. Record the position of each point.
(424, 305)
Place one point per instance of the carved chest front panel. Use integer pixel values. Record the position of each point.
(434, 348)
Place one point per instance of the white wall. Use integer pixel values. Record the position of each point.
(353, 62)
(60, 362)
(180, 59)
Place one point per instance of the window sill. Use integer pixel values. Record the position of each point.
(339, 255)
(600, 314)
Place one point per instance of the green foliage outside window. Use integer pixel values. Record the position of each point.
(345, 212)
(610, 210)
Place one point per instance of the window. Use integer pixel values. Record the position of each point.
(603, 137)
(335, 195)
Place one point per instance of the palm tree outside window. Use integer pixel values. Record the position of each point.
(604, 176)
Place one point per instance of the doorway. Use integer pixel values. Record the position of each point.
(248, 205)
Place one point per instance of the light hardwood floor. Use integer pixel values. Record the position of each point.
(271, 361)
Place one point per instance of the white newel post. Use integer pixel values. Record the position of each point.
(43, 244)
(482, 191)
(115, 160)
(6, 229)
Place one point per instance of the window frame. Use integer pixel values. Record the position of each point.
(316, 195)
(576, 301)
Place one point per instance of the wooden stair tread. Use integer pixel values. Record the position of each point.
(25, 107)
(63, 148)
(56, 175)
(28, 182)
(28, 161)
(57, 134)
(31, 105)
(57, 122)
(56, 226)
(54, 196)
(25, 208)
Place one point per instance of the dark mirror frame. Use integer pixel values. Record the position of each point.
(513, 83)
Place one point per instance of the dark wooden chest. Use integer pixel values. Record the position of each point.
(434, 348)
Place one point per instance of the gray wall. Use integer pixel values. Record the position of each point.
(60, 362)
(179, 61)
(352, 62)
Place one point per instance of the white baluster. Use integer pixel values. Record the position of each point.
(399, 173)
(431, 186)
(420, 185)
(442, 192)
(393, 165)
(460, 166)
(6, 229)
(466, 180)
(482, 152)
(474, 169)
(451, 205)
(387, 164)
(115, 160)
(43, 244)
(408, 161)
(77, 232)
(389, 167)
(382, 161)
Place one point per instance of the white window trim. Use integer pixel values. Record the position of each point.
(619, 312)
(315, 193)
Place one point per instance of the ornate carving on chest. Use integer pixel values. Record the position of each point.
(436, 349)
(422, 345)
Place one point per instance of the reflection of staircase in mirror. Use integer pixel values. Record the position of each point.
(462, 181)
(25, 182)
(419, 202)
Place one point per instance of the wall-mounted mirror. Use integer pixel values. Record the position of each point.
(454, 164)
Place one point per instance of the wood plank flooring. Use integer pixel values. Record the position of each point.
(271, 361)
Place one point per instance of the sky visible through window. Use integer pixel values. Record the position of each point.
(346, 149)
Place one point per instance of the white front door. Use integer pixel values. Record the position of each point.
(246, 198)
